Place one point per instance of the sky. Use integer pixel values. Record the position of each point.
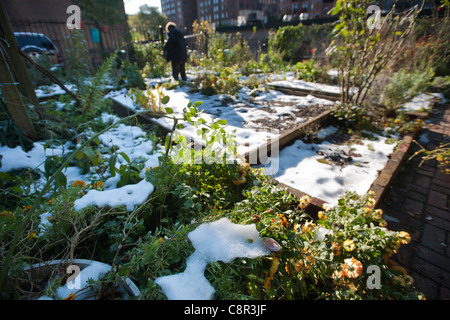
(132, 6)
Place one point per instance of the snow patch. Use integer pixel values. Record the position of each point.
(221, 240)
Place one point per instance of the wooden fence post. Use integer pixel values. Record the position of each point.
(12, 63)
(13, 100)
(16, 61)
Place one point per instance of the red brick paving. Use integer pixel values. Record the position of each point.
(418, 201)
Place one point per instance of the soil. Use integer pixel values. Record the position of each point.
(289, 120)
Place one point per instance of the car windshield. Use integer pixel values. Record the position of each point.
(34, 40)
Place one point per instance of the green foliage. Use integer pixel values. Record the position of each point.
(78, 64)
(360, 50)
(145, 24)
(129, 76)
(106, 12)
(404, 86)
(295, 43)
(308, 70)
(225, 82)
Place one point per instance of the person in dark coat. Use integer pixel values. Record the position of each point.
(175, 48)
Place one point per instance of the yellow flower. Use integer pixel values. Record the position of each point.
(378, 213)
(79, 183)
(50, 202)
(371, 202)
(308, 226)
(349, 245)
(272, 270)
(26, 208)
(321, 215)
(7, 214)
(404, 237)
(99, 184)
(367, 212)
(352, 268)
(31, 235)
(305, 200)
(274, 266)
(383, 223)
(4, 213)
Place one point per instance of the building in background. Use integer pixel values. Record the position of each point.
(242, 12)
(182, 12)
(303, 10)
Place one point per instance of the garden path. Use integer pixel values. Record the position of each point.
(418, 201)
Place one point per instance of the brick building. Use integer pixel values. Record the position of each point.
(234, 12)
(310, 9)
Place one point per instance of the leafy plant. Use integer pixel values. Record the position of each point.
(360, 50)
(403, 87)
(308, 70)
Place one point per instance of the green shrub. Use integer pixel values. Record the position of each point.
(404, 86)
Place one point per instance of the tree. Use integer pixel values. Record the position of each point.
(362, 47)
(102, 12)
(147, 21)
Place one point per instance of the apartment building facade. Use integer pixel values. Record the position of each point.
(235, 12)
(182, 12)
(309, 9)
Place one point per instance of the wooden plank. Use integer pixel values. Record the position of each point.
(304, 92)
(254, 156)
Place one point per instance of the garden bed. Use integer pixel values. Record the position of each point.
(254, 117)
(323, 169)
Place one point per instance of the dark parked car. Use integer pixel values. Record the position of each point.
(38, 45)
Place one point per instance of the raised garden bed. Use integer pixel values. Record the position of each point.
(256, 119)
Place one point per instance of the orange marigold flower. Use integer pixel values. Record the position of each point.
(99, 184)
(338, 277)
(352, 268)
(31, 235)
(336, 249)
(4, 213)
(79, 183)
(284, 221)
